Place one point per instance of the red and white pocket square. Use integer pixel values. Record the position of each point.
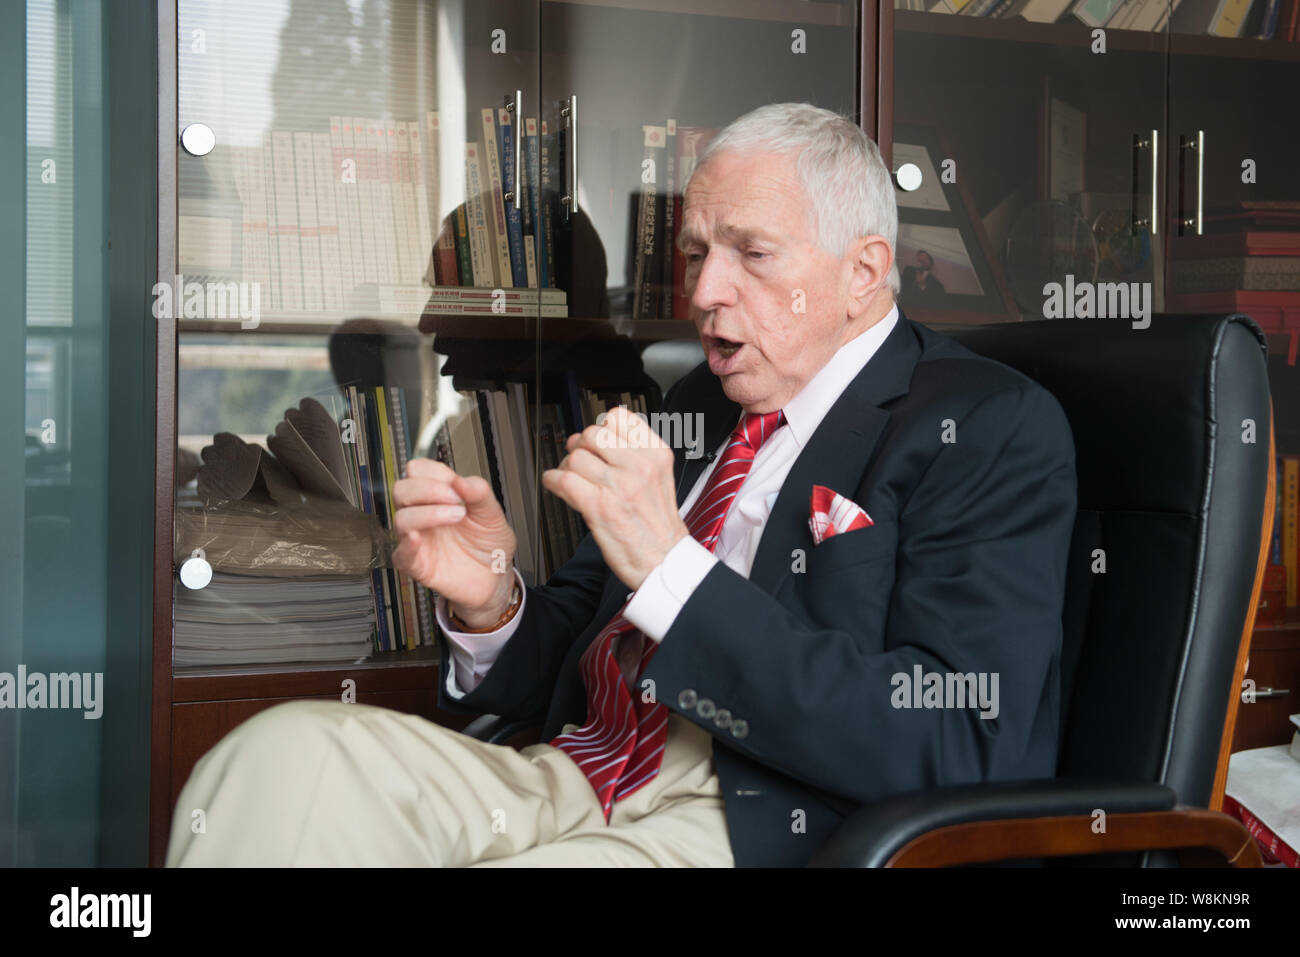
(833, 514)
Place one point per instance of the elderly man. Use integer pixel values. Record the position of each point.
(857, 593)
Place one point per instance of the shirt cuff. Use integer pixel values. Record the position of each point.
(474, 654)
(664, 593)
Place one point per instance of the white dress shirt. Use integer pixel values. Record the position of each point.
(667, 588)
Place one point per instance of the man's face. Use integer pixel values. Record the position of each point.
(924, 261)
(769, 304)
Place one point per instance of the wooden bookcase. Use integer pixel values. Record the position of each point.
(984, 82)
(554, 50)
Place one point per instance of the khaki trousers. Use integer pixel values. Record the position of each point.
(322, 783)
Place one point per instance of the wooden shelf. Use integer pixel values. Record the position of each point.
(383, 671)
(789, 11)
(469, 327)
(1076, 35)
(567, 329)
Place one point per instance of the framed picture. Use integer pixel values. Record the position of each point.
(1067, 133)
(949, 273)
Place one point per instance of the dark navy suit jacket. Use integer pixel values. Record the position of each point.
(966, 467)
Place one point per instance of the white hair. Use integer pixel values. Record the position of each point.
(840, 168)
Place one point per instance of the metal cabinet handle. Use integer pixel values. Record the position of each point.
(1271, 693)
(516, 106)
(1197, 146)
(1151, 143)
(571, 111)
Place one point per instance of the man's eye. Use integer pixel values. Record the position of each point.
(756, 254)
(694, 257)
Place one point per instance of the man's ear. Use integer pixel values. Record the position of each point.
(870, 258)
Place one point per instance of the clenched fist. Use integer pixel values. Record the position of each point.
(619, 475)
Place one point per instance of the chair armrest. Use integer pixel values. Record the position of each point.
(494, 729)
(874, 834)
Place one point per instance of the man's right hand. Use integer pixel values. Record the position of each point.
(453, 538)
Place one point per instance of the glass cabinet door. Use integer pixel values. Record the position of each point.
(1027, 140)
(1234, 199)
(634, 91)
(1234, 220)
(346, 276)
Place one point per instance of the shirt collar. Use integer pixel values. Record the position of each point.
(806, 410)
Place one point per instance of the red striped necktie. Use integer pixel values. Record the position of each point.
(621, 747)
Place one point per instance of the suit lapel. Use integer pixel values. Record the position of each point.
(837, 454)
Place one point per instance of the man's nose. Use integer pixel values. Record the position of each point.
(715, 285)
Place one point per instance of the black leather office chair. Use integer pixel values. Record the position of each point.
(1173, 435)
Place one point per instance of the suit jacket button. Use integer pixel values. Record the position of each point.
(739, 728)
(723, 718)
(706, 708)
(686, 700)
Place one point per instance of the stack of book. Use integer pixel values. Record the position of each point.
(1248, 261)
(492, 436)
(347, 221)
(1263, 19)
(242, 619)
(655, 265)
(377, 433)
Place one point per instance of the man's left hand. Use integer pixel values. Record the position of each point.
(619, 476)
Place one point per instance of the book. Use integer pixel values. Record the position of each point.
(1278, 273)
(313, 277)
(1219, 18)
(691, 141)
(407, 204)
(646, 279)
(405, 425)
(452, 237)
(388, 432)
(1288, 490)
(1038, 11)
(536, 257)
(1094, 13)
(481, 244)
(522, 426)
(375, 292)
(1274, 310)
(286, 214)
(512, 490)
(1245, 243)
(669, 215)
(407, 301)
(422, 188)
(1288, 21)
(496, 212)
(327, 218)
(545, 208)
(355, 140)
(514, 221)
(393, 212)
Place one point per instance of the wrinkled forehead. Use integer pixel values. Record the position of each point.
(731, 190)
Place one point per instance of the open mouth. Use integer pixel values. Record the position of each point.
(726, 347)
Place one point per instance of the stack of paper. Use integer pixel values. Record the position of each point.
(240, 619)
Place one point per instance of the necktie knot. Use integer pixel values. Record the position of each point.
(755, 427)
